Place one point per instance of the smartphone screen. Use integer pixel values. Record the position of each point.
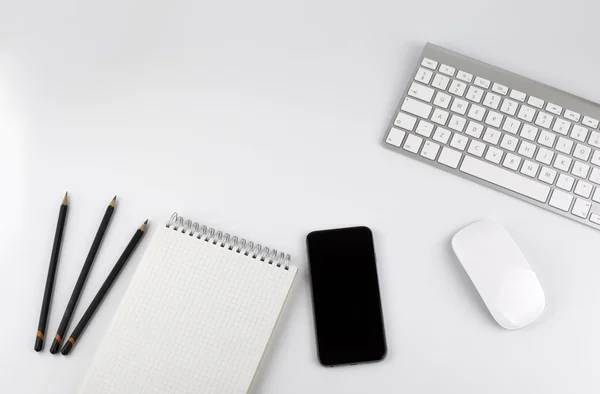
(346, 301)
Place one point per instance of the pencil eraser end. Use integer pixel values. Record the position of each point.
(55, 347)
(66, 349)
(39, 344)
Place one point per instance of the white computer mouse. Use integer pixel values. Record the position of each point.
(509, 287)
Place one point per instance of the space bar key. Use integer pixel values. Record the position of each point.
(506, 179)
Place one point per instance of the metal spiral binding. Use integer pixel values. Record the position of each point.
(256, 251)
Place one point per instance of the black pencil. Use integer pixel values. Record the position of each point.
(58, 235)
(114, 273)
(85, 270)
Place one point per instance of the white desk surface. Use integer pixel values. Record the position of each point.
(264, 118)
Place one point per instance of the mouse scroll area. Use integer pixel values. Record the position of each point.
(500, 272)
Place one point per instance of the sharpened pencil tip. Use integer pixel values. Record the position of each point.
(143, 226)
(65, 200)
(113, 202)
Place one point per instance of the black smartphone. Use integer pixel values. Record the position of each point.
(346, 300)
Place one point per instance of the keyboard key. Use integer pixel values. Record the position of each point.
(503, 90)
(423, 75)
(595, 218)
(580, 169)
(561, 200)
(413, 143)
(491, 100)
(565, 182)
(509, 142)
(458, 88)
(529, 132)
(547, 175)
(530, 168)
(562, 162)
(430, 150)
(440, 81)
(579, 133)
(444, 69)
(527, 149)
(459, 106)
(594, 139)
(459, 141)
(424, 128)
(505, 178)
(449, 157)
(491, 136)
(519, 96)
(464, 76)
(509, 107)
(582, 152)
(583, 189)
(596, 196)
(482, 83)
(581, 208)
(474, 94)
(554, 109)
(544, 120)
(536, 102)
(476, 148)
(591, 122)
(421, 92)
(395, 137)
(564, 145)
(544, 156)
(494, 155)
(474, 129)
(442, 135)
(476, 112)
(439, 116)
(561, 126)
(494, 119)
(526, 113)
(457, 123)
(442, 100)
(432, 64)
(571, 115)
(547, 138)
(596, 158)
(511, 125)
(405, 121)
(595, 176)
(417, 108)
(511, 161)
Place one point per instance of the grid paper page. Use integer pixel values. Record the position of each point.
(196, 318)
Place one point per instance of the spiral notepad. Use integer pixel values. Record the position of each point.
(197, 316)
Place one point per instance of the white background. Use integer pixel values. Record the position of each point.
(264, 118)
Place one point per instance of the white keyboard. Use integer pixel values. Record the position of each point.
(502, 130)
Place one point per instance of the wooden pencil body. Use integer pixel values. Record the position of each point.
(85, 270)
(112, 276)
(50, 279)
